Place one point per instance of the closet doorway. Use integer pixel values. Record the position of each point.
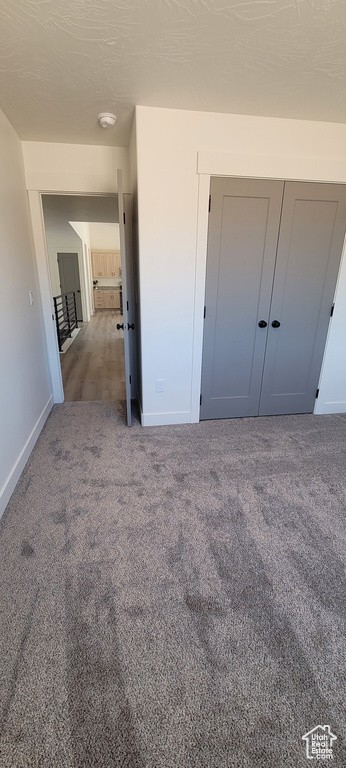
(274, 251)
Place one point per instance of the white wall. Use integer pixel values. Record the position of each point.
(74, 167)
(104, 236)
(25, 390)
(60, 239)
(82, 228)
(177, 151)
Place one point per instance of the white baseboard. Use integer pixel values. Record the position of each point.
(336, 406)
(66, 345)
(17, 469)
(165, 419)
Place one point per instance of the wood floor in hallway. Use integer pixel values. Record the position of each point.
(93, 367)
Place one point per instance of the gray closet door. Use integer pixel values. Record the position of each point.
(310, 245)
(242, 240)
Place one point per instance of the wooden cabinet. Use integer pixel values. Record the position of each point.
(113, 263)
(106, 299)
(99, 300)
(105, 263)
(98, 264)
(112, 299)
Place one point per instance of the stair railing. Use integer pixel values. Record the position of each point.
(65, 309)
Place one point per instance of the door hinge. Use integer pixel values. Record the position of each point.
(127, 304)
(124, 217)
(209, 203)
(200, 400)
(317, 393)
(52, 317)
(332, 310)
(130, 378)
(205, 311)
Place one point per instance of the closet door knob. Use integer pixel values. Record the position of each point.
(262, 324)
(276, 324)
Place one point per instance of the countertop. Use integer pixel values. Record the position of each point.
(107, 287)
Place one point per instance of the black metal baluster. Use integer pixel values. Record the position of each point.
(68, 315)
(75, 310)
(57, 321)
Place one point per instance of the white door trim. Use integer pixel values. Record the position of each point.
(42, 261)
(309, 169)
(200, 274)
(40, 245)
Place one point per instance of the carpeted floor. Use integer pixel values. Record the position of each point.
(174, 597)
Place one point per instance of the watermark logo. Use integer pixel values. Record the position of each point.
(319, 743)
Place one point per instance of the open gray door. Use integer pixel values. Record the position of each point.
(126, 320)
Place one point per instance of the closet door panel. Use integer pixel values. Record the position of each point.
(310, 244)
(242, 241)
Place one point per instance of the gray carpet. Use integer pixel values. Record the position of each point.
(174, 597)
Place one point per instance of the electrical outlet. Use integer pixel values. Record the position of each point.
(160, 385)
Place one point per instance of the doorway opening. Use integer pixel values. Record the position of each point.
(83, 247)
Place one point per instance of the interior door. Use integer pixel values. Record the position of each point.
(69, 278)
(310, 245)
(242, 240)
(127, 309)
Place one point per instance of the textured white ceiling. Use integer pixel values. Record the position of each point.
(64, 61)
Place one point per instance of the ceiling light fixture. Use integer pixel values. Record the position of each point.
(106, 119)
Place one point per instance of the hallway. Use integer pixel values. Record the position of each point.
(93, 367)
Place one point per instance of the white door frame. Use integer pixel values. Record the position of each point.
(42, 261)
(285, 168)
(40, 245)
(200, 277)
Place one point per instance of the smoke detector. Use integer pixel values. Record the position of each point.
(106, 119)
